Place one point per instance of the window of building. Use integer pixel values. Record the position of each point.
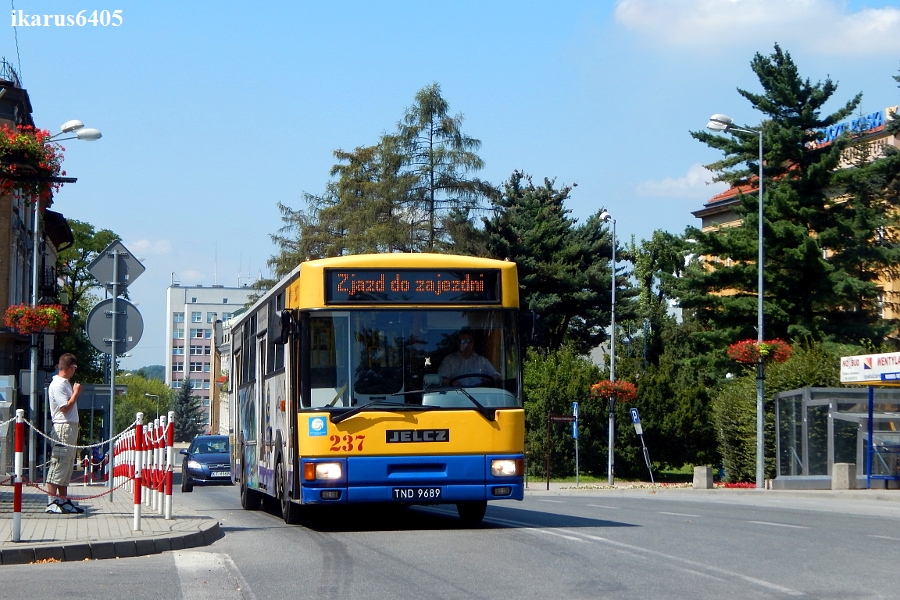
(193, 300)
(199, 333)
(178, 351)
(207, 350)
(196, 350)
(211, 317)
(196, 316)
(178, 367)
(227, 315)
(224, 300)
(176, 384)
(196, 367)
(178, 317)
(206, 385)
(178, 334)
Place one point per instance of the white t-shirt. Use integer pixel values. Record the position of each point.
(60, 391)
(454, 365)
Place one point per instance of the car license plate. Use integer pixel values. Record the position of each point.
(417, 494)
(221, 474)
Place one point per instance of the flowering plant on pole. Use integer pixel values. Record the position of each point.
(622, 391)
(750, 351)
(32, 319)
(28, 160)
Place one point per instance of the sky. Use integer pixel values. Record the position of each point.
(213, 112)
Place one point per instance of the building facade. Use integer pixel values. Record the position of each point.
(191, 314)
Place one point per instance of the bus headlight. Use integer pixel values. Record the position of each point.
(507, 467)
(321, 470)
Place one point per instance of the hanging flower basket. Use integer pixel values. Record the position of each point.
(32, 319)
(28, 161)
(622, 391)
(750, 351)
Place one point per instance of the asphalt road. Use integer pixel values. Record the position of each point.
(672, 544)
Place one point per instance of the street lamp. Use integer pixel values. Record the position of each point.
(608, 218)
(82, 134)
(157, 402)
(725, 123)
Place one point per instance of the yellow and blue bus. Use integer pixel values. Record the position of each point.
(339, 395)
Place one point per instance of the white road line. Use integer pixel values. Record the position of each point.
(693, 565)
(678, 514)
(601, 506)
(779, 524)
(884, 537)
(552, 501)
(209, 575)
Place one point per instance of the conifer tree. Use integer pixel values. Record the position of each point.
(563, 267)
(810, 230)
(188, 413)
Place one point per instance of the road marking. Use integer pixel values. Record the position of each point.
(210, 575)
(601, 506)
(678, 514)
(779, 524)
(690, 564)
(552, 501)
(884, 537)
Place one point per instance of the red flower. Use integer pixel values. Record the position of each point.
(750, 351)
(622, 391)
(32, 319)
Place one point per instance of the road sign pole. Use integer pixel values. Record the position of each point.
(112, 363)
(575, 435)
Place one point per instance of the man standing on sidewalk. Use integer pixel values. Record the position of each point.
(64, 408)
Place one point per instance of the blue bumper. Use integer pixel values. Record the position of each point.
(414, 480)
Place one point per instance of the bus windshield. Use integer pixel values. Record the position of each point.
(425, 357)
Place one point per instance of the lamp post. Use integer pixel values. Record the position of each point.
(608, 218)
(83, 134)
(157, 402)
(725, 123)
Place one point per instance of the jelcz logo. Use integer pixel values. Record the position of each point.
(402, 436)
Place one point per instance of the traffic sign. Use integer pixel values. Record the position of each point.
(575, 410)
(129, 326)
(636, 421)
(128, 269)
(562, 419)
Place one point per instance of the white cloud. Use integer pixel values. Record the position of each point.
(822, 26)
(695, 184)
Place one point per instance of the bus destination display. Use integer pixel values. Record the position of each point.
(408, 286)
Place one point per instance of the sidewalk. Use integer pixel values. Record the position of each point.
(103, 531)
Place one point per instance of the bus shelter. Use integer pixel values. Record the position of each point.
(818, 427)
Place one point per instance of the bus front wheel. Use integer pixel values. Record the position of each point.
(471, 513)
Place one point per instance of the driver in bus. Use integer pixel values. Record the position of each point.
(466, 361)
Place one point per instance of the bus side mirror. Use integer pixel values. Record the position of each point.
(282, 327)
(531, 328)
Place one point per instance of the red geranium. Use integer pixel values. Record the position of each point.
(28, 159)
(750, 351)
(622, 391)
(32, 319)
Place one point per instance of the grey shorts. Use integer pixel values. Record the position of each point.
(62, 459)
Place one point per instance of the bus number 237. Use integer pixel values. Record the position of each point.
(347, 443)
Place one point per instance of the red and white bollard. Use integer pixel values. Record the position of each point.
(139, 456)
(170, 463)
(17, 485)
(161, 465)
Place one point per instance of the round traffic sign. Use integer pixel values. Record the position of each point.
(129, 326)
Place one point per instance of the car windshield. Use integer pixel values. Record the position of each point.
(210, 446)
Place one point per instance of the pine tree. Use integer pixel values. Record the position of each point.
(563, 267)
(188, 413)
(810, 291)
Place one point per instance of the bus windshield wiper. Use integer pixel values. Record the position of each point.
(396, 406)
(488, 413)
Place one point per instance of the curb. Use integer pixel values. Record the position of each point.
(207, 533)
